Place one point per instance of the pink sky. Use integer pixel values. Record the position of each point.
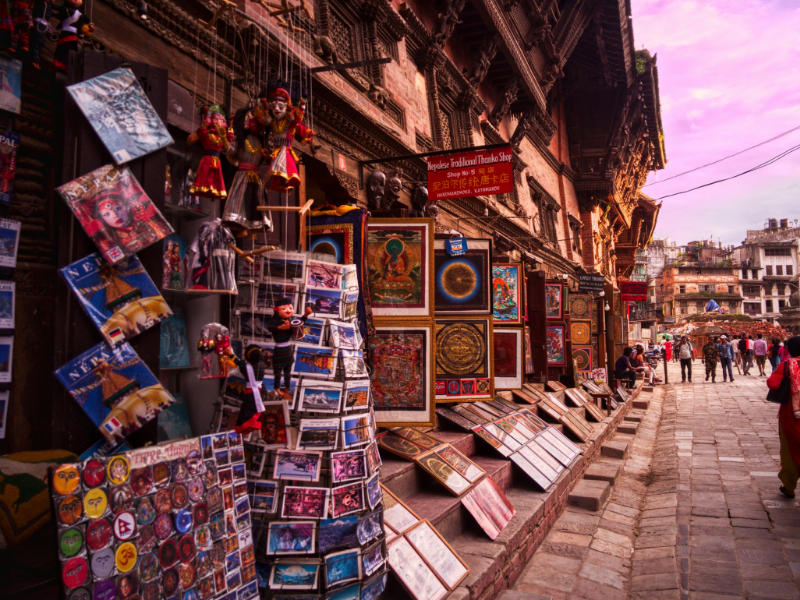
(729, 75)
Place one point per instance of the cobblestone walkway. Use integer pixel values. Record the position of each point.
(696, 513)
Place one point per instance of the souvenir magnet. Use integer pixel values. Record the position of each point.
(128, 587)
(148, 567)
(66, 479)
(95, 503)
(70, 511)
(186, 549)
(180, 472)
(210, 476)
(169, 581)
(70, 542)
(103, 563)
(98, 534)
(201, 514)
(94, 473)
(194, 462)
(161, 474)
(186, 573)
(190, 595)
(205, 588)
(126, 557)
(124, 526)
(151, 591)
(75, 572)
(196, 489)
(163, 501)
(214, 499)
(121, 499)
(179, 495)
(168, 554)
(118, 470)
(147, 538)
(202, 537)
(183, 521)
(81, 593)
(142, 481)
(218, 555)
(203, 564)
(145, 511)
(105, 590)
(163, 526)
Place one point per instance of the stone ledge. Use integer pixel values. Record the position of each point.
(614, 449)
(641, 404)
(602, 472)
(590, 494)
(627, 428)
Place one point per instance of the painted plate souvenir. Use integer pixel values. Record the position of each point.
(187, 574)
(163, 501)
(163, 526)
(105, 590)
(196, 489)
(118, 470)
(180, 472)
(124, 526)
(200, 514)
(194, 462)
(145, 511)
(168, 554)
(147, 538)
(180, 496)
(103, 563)
(151, 591)
(121, 499)
(95, 503)
(98, 534)
(169, 581)
(94, 473)
(70, 542)
(142, 481)
(126, 557)
(210, 476)
(183, 520)
(148, 567)
(70, 511)
(82, 593)
(161, 472)
(66, 479)
(214, 499)
(186, 549)
(76, 572)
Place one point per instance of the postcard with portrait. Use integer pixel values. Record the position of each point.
(347, 499)
(490, 507)
(443, 473)
(319, 396)
(338, 533)
(294, 575)
(414, 573)
(314, 361)
(342, 567)
(438, 554)
(463, 283)
(348, 466)
(305, 503)
(356, 395)
(275, 429)
(292, 537)
(297, 465)
(318, 434)
(464, 466)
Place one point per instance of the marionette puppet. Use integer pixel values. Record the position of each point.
(210, 260)
(23, 21)
(206, 348)
(280, 326)
(224, 352)
(71, 22)
(41, 31)
(252, 365)
(215, 137)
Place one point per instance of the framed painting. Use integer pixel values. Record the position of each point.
(507, 285)
(402, 385)
(556, 352)
(334, 239)
(464, 359)
(508, 359)
(580, 332)
(580, 307)
(582, 355)
(462, 283)
(554, 300)
(528, 352)
(400, 267)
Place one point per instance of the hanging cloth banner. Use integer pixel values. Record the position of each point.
(473, 173)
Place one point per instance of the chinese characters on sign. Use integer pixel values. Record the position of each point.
(466, 174)
(633, 291)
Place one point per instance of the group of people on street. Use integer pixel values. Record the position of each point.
(632, 362)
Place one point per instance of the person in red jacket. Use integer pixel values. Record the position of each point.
(789, 419)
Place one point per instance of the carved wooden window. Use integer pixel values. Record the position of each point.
(546, 207)
(445, 130)
(575, 227)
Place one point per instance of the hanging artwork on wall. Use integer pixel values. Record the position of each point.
(463, 359)
(402, 389)
(508, 359)
(556, 353)
(554, 300)
(463, 283)
(400, 267)
(580, 332)
(582, 355)
(595, 351)
(507, 285)
(580, 307)
(528, 352)
(11, 91)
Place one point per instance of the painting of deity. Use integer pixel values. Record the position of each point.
(553, 304)
(507, 294)
(555, 345)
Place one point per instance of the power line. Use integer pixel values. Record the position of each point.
(780, 135)
(766, 163)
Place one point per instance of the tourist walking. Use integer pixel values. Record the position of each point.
(725, 357)
(710, 357)
(685, 353)
(737, 356)
(760, 352)
(775, 353)
(789, 419)
(743, 346)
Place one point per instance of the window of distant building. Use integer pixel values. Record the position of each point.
(778, 269)
(777, 252)
(731, 289)
(782, 290)
(744, 273)
(789, 270)
(769, 270)
(684, 307)
(781, 304)
(682, 289)
(755, 273)
(769, 306)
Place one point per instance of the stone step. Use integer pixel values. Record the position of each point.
(614, 449)
(633, 417)
(515, 595)
(647, 388)
(602, 472)
(641, 404)
(590, 494)
(629, 428)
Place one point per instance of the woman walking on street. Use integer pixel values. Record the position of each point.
(668, 348)
(789, 419)
(775, 353)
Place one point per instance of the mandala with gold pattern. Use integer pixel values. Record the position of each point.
(461, 349)
(581, 332)
(580, 307)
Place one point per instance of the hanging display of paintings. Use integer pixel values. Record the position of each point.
(556, 352)
(554, 300)
(507, 285)
(582, 355)
(463, 283)
(464, 359)
(114, 388)
(508, 359)
(114, 210)
(121, 301)
(400, 267)
(9, 243)
(121, 114)
(156, 522)
(595, 351)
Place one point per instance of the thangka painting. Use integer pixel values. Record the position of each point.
(462, 283)
(582, 355)
(580, 307)
(553, 300)
(399, 263)
(335, 239)
(508, 359)
(115, 389)
(463, 359)
(115, 212)
(507, 283)
(580, 332)
(555, 345)
(401, 366)
(121, 114)
(121, 301)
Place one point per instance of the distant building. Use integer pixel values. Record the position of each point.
(660, 252)
(687, 289)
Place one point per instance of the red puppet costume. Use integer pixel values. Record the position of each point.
(286, 124)
(215, 137)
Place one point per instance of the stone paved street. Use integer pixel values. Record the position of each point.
(695, 514)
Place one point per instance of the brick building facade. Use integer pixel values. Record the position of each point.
(687, 289)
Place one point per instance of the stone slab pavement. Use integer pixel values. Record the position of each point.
(695, 514)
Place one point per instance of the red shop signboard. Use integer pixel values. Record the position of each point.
(633, 291)
(474, 173)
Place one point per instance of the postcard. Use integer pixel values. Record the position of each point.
(295, 537)
(356, 395)
(343, 335)
(294, 575)
(439, 555)
(11, 90)
(7, 296)
(338, 533)
(313, 332)
(373, 457)
(297, 465)
(318, 434)
(264, 496)
(342, 567)
(357, 431)
(289, 266)
(372, 558)
(413, 572)
(348, 466)
(9, 141)
(9, 242)
(324, 275)
(271, 290)
(369, 527)
(373, 486)
(443, 473)
(305, 503)
(464, 466)
(314, 361)
(348, 592)
(242, 504)
(490, 507)
(325, 303)
(372, 588)
(353, 364)
(275, 429)
(319, 396)
(3, 413)
(347, 499)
